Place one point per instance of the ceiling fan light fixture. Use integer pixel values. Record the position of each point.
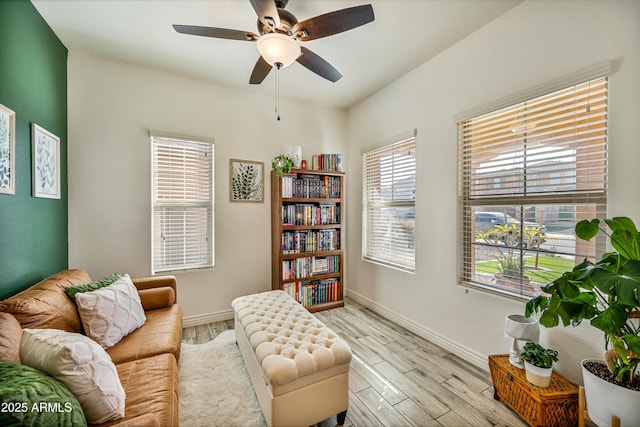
(277, 48)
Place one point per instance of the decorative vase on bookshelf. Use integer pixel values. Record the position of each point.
(295, 153)
(306, 233)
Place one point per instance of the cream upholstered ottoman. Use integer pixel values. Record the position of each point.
(298, 366)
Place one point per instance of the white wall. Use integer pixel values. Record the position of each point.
(112, 106)
(531, 44)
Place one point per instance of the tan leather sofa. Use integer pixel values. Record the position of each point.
(146, 359)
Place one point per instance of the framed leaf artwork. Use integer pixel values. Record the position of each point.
(45, 148)
(7, 150)
(246, 181)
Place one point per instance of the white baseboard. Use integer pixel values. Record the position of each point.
(477, 359)
(203, 319)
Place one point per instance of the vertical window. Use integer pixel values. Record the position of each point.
(388, 205)
(550, 155)
(182, 198)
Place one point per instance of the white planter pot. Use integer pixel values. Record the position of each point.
(605, 400)
(538, 376)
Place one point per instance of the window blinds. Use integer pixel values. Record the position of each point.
(182, 219)
(389, 190)
(542, 162)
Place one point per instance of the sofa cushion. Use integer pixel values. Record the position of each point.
(82, 365)
(161, 297)
(22, 387)
(45, 305)
(10, 335)
(151, 385)
(92, 286)
(161, 333)
(110, 313)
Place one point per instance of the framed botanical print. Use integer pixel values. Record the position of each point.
(7, 150)
(45, 148)
(246, 181)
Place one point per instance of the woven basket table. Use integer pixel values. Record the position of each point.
(555, 406)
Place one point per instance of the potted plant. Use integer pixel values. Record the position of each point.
(607, 293)
(509, 239)
(538, 363)
(282, 164)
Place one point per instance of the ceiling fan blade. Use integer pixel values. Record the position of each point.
(333, 22)
(260, 71)
(318, 65)
(219, 33)
(267, 12)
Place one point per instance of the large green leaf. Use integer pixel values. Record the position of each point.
(611, 320)
(586, 229)
(624, 284)
(568, 289)
(625, 238)
(633, 342)
(581, 273)
(621, 223)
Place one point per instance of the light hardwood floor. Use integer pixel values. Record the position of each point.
(398, 379)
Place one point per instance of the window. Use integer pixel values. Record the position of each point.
(388, 204)
(549, 155)
(182, 197)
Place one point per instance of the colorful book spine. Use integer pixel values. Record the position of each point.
(327, 162)
(310, 186)
(314, 292)
(295, 242)
(300, 268)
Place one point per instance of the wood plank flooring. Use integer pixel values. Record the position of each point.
(398, 379)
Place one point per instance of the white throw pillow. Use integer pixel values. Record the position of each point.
(82, 365)
(109, 314)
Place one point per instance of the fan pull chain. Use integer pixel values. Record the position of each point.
(278, 66)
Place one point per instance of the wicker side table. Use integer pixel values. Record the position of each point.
(556, 405)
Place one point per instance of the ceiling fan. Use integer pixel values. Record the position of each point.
(280, 31)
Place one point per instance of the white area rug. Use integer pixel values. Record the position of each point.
(215, 389)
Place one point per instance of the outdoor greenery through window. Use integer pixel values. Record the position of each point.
(388, 204)
(182, 205)
(528, 173)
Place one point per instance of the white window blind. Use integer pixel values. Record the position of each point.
(182, 192)
(528, 173)
(388, 205)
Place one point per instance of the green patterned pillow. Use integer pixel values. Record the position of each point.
(29, 397)
(88, 287)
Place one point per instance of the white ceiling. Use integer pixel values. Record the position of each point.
(405, 34)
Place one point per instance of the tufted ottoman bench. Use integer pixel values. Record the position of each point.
(298, 366)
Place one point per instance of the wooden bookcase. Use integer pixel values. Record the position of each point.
(307, 234)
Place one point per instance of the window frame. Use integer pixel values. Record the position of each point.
(405, 261)
(585, 204)
(190, 206)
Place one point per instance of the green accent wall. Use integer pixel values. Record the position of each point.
(33, 83)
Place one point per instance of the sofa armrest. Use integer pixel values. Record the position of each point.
(154, 298)
(146, 420)
(157, 282)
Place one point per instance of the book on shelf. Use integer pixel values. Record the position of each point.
(299, 241)
(310, 186)
(314, 292)
(327, 162)
(300, 268)
(310, 214)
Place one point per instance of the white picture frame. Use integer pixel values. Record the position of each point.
(45, 149)
(7, 150)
